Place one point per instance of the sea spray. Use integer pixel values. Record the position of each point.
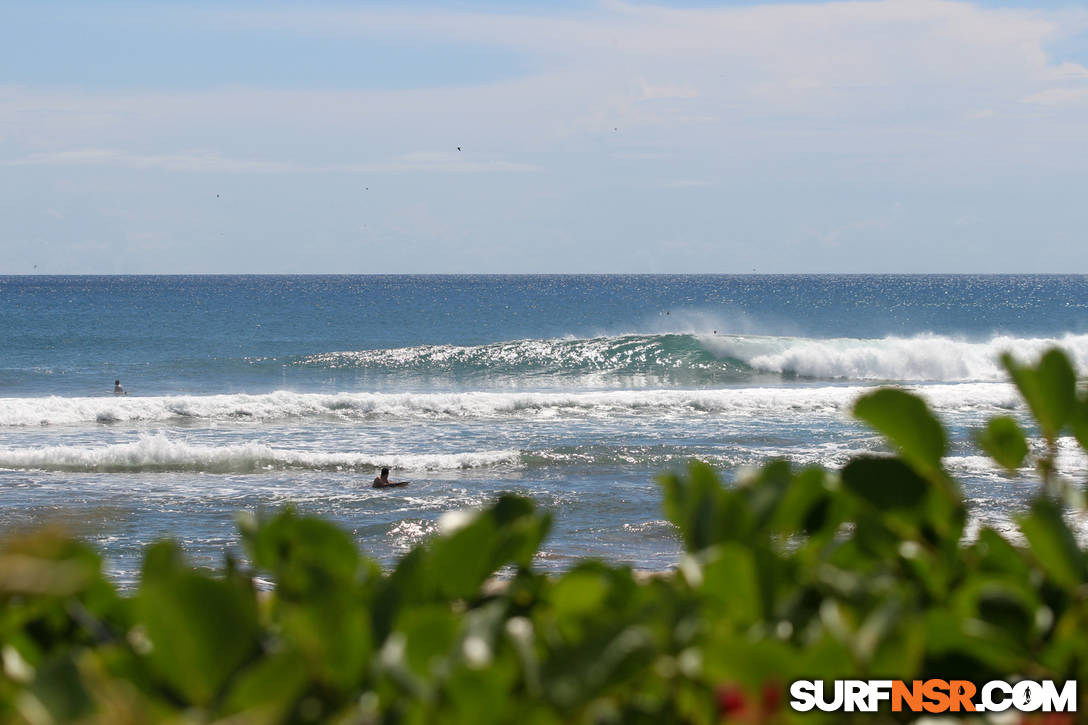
(924, 358)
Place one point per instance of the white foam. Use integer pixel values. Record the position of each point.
(282, 405)
(924, 358)
(160, 453)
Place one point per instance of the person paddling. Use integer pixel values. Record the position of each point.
(383, 481)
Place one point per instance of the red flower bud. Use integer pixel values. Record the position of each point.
(771, 697)
(731, 700)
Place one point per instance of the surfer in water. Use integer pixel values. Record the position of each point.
(117, 389)
(383, 481)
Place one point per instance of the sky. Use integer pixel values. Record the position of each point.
(543, 137)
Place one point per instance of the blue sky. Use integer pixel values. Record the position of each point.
(226, 137)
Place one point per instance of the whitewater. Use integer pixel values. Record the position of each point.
(284, 405)
(253, 393)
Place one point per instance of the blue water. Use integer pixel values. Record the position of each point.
(252, 392)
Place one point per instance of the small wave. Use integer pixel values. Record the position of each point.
(158, 453)
(283, 405)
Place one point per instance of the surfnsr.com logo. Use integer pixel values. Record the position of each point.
(933, 696)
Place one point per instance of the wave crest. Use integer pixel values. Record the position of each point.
(662, 357)
(284, 405)
(924, 358)
(158, 453)
(712, 358)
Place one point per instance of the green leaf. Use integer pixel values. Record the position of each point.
(731, 583)
(578, 592)
(460, 562)
(1053, 544)
(692, 503)
(61, 693)
(407, 583)
(304, 553)
(1049, 389)
(332, 633)
(201, 629)
(805, 505)
(1007, 609)
(269, 689)
(886, 483)
(610, 658)
(1079, 423)
(968, 645)
(429, 633)
(756, 663)
(996, 555)
(483, 696)
(1005, 442)
(49, 562)
(509, 532)
(521, 529)
(907, 422)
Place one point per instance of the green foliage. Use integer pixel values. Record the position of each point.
(1005, 442)
(906, 421)
(788, 573)
(201, 629)
(1048, 389)
(1053, 544)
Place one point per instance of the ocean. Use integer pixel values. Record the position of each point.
(251, 393)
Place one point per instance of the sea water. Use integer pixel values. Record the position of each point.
(251, 393)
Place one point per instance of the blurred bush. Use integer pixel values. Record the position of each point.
(789, 574)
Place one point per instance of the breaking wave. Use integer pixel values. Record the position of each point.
(160, 453)
(924, 358)
(722, 374)
(712, 358)
(284, 405)
(647, 360)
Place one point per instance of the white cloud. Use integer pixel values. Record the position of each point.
(1059, 96)
(796, 107)
(857, 64)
